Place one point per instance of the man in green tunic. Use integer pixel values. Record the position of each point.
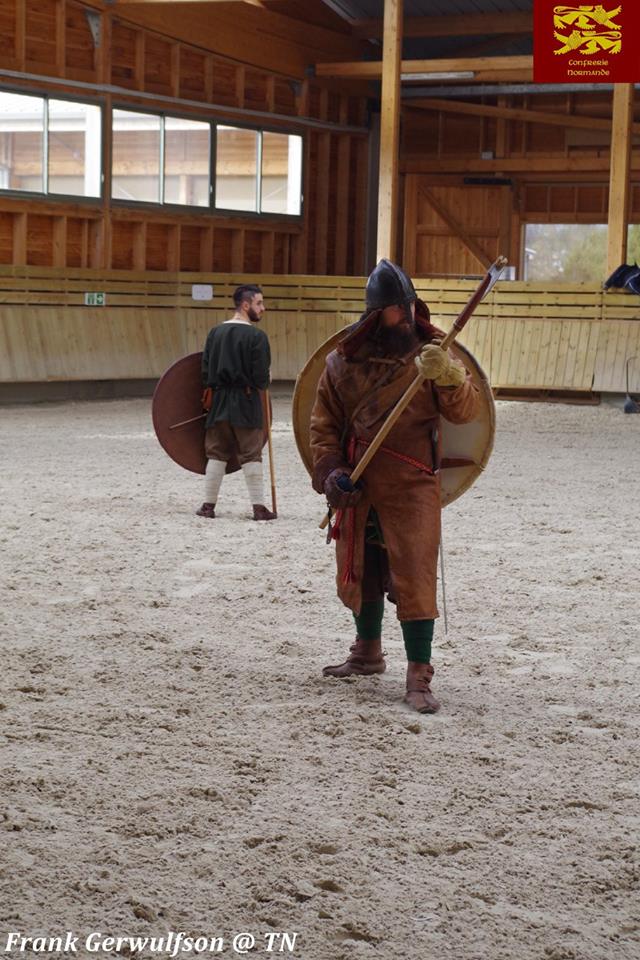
(235, 365)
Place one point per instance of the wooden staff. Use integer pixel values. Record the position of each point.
(272, 471)
(485, 286)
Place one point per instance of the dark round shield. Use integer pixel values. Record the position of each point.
(466, 447)
(179, 418)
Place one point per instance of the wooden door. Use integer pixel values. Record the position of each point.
(456, 229)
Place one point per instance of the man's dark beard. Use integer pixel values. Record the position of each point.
(396, 341)
(253, 316)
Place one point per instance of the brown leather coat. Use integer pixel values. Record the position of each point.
(355, 393)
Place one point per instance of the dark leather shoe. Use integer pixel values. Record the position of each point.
(418, 695)
(365, 658)
(207, 510)
(260, 512)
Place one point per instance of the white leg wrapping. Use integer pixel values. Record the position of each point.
(213, 480)
(253, 478)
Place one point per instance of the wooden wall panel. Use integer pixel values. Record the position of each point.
(39, 240)
(526, 336)
(224, 83)
(8, 30)
(192, 74)
(80, 52)
(6, 237)
(123, 54)
(157, 246)
(284, 97)
(123, 243)
(40, 42)
(190, 248)
(157, 65)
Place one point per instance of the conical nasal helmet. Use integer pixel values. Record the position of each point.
(388, 285)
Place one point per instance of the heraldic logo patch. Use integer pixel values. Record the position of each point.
(586, 43)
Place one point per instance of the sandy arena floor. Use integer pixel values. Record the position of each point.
(172, 759)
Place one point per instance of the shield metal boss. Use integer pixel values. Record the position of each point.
(179, 419)
(466, 447)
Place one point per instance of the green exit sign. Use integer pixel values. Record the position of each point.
(95, 299)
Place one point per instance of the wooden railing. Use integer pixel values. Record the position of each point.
(525, 335)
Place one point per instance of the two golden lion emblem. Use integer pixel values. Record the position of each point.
(593, 30)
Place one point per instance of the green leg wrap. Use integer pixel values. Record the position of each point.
(369, 620)
(418, 635)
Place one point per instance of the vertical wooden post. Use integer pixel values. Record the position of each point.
(389, 130)
(618, 219)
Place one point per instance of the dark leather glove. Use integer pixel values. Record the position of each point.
(341, 493)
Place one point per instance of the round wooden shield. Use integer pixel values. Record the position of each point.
(178, 416)
(466, 447)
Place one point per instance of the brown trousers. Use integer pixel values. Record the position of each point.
(222, 441)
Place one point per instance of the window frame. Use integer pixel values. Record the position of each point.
(106, 153)
(211, 209)
(259, 214)
(44, 193)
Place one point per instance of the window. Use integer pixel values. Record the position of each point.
(74, 149)
(135, 168)
(21, 142)
(160, 159)
(54, 147)
(281, 173)
(66, 161)
(187, 151)
(236, 168)
(258, 171)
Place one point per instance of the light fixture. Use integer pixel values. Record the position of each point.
(440, 75)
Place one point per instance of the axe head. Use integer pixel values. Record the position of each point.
(494, 272)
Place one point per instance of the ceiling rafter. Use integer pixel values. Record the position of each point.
(452, 26)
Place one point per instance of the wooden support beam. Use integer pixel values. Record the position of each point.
(372, 69)
(467, 25)
(456, 227)
(513, 113)
(389, 130)
(618, 220)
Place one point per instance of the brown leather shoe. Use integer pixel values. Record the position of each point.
(365, 658)
(260, 512)
(207, 510)
(418, 695)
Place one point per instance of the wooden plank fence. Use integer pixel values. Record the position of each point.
(525, 335)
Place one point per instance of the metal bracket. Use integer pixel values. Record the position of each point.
(95, 25)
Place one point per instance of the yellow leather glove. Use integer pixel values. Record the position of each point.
(433, 363)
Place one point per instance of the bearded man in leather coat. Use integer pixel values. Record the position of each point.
(387, 527)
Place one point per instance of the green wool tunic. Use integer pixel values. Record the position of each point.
(235, 363)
